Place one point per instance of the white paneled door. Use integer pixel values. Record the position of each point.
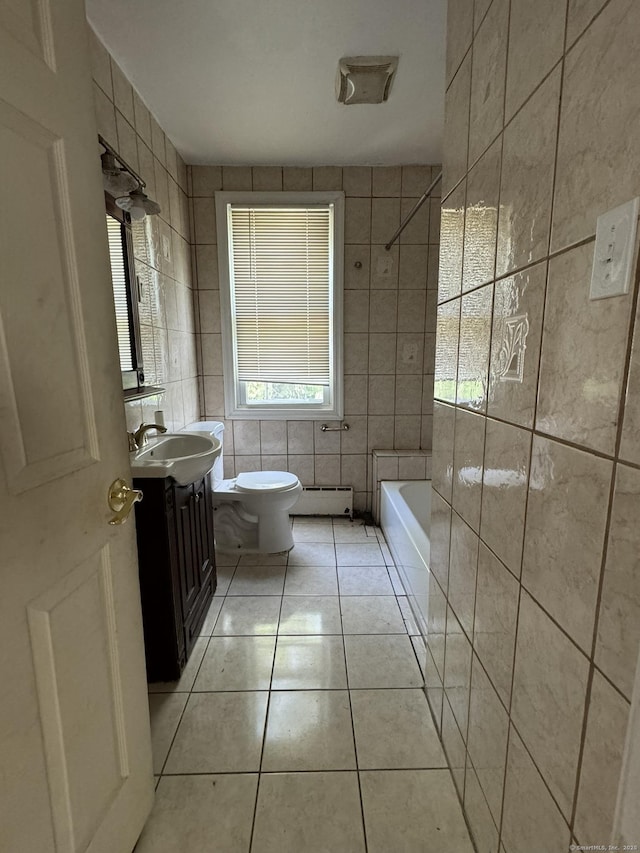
(75, 755)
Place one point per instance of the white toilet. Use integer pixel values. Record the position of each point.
(252, 509)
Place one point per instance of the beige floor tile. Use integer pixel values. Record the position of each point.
(165, 710)
(308, 813)
(394, 729)
(226, 560)
(263, 559)
(381, 661)
(249, 615)
(359, 554)
(364, 580)
(350, 533)
(236, 663)
(313, 532)
(411, 811)
(310, 614)
(311, 580)
(312, 554)
(185, 682)
(378, 614)
(309, 663)
(188, 808)
(309, 730)
(224, 574)
(258, 580)
(219, 733)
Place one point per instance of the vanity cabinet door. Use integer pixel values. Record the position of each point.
(204, 529)
(177, 570)
(188, 551)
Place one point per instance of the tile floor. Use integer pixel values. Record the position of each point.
(299, 724)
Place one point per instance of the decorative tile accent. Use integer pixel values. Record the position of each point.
(518, 307)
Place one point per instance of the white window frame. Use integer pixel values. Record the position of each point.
(235, 406)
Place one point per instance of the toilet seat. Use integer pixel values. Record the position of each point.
(266, 481)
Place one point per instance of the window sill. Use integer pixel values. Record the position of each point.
(130, 394)
(284, 414)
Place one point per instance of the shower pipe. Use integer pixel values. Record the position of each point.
(416, 207)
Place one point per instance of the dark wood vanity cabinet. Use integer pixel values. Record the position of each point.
(177, 570)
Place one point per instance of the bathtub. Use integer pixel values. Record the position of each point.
(405, 509)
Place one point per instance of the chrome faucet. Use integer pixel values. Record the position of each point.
(138, 438)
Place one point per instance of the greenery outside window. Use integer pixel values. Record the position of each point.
(281, 262)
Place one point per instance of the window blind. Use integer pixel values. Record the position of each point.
(281, 269)
(119, 280)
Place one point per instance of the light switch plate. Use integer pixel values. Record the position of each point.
(614, 251)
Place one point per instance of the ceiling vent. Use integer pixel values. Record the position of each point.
(365, 79)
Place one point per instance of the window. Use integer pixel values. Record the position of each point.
(281, 260)
(125, 298)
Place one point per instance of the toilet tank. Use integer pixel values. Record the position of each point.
(216, 429)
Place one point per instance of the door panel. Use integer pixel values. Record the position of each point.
(75, 747)
(29, 22)
(82, 723)
(35, 411)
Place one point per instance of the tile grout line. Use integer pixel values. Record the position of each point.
(164, 763)
(397, 595)
(266, 716)
(353, 727)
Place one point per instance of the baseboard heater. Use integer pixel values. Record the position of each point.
(325, 500)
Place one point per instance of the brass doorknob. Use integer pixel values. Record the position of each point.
(120, 499)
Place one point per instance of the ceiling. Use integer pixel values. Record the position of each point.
(252, 82)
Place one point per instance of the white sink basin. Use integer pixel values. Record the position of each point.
(184, 456)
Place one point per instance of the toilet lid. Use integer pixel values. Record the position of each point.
(265, 481)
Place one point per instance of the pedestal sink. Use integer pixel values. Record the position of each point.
(184, 456)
